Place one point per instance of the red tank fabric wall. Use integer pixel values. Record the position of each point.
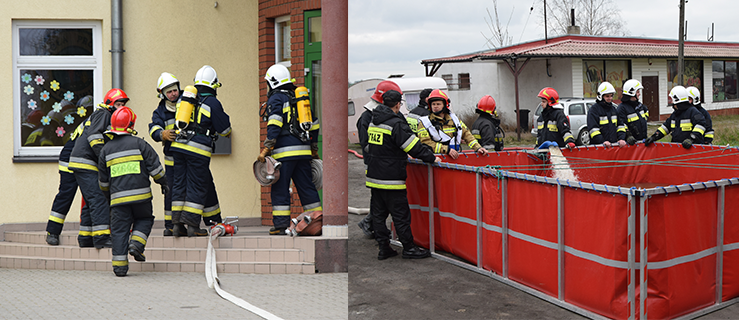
(730, 287)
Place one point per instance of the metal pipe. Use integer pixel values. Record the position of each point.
(632, 254)
(431, 208)
(560, 243)
(504, 226)
(116, 45)
(720, 245)
(643, 260)
(478, 202)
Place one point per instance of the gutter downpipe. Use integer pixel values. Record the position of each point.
(116, 46)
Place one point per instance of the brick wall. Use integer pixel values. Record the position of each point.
(268, 11)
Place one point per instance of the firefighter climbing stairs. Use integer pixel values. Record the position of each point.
(251, 250)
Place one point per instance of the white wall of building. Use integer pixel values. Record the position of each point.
(483, 80)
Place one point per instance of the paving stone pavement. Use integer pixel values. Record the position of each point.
(55, 294)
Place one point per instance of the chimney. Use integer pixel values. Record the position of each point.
(573, 29)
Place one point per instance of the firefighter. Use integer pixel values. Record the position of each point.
(632, 112)
(290, 144)
(95, 219)
(362, 124)
(419, 111)
(552, 125)
(686, 123)
(161, 129)
(390, 142)
(604, 125)
(442, 130)
(694, 96)
(486, 128)
(67, 184)
(124, 167)
(193, 190)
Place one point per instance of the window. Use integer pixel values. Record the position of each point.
(449, 80)
(724, 80)
(314, 29)
(351, 109)
(57, 72)
(283, 51)
(597, 71)
(692, 76)
(577, 109)
(464, 81)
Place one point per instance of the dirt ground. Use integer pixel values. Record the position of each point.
(397, 288)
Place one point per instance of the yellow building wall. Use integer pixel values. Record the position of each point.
(176, 36)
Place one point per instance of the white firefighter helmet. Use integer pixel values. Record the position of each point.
(277, 75)
(165, 80)
(605, 88)
(694, 93)
(206, 76)
(679, 94)
(631, 87)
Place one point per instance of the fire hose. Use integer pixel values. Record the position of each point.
(211, 274)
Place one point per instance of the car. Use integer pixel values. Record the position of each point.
(576, 110)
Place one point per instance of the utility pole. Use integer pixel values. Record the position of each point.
(681, 45)
(546, 40)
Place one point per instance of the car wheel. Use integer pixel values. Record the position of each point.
(583, 138)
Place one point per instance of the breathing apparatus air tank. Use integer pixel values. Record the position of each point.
(305, 117)
(185, 107)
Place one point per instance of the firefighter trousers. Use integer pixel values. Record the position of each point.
(194, 193)
(129, 221)
(394, 203)
(95, 221)
(62, 202)
(169, 175)
(299, 171)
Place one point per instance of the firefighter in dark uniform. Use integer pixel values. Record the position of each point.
(291, 146)
(161, 129)
(422, 110)
(67, 183)
(390, 142)
(553, 125)
(193, 190)
(632, 112)
(694, 95)
(604, 125)
(124, 167)
(362, 124)
(95, 219)
(686, 123)
(486, 129)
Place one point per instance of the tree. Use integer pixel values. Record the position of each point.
(594, 17)
(499, 34)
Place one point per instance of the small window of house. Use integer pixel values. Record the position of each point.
(464, 81)
(282, 40)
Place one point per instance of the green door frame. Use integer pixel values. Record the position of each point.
(313, 55)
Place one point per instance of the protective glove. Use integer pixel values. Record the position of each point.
(570, 145)
(165, 188)
(649, 141)
(687, 143)
(631, 140)
(168, 135)
(314, 154)
(548, 144)
(265, 152)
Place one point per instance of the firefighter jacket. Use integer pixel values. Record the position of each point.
(66, 152)
(415, 115)
(708, 136)
(207, 121)
(685, 122)
(162, 119)
(604, 124)
(124, 167)
(89, 143)
(486, 130)
(445, 131)
(362, 124)
(390, 140)
(554, 126)
(282, 116)
(635, 116)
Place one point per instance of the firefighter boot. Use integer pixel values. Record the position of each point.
(168, 232)
(120, 271)
(415, 252)
(277, 231)
(366, 226)
(136, 249)
(103, 241)
(195, 231)
(386, 251)
(52, 239)
(179, 230)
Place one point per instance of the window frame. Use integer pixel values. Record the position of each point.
(464, 82)
(722, 79)
(278, 41)
(94, 63)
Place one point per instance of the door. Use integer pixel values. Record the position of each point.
(312, 33)
(650, 96)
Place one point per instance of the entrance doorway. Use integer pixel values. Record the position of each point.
(650, 96)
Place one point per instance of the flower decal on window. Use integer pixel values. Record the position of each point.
(60, 131)
(81, 111)
(46, 120)
(26, 78)
(54, 85)
(69, 119)
(69, 95)
(28, 90)
(32, 104)
(40, 80)
(57, 107)
(44, 95)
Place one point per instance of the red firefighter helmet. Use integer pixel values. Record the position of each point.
(437, 94)
(487, 104)
(550, 94)
(122, 121)
(114, 95)
(383, 87)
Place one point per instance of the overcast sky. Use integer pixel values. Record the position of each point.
(393, 36)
